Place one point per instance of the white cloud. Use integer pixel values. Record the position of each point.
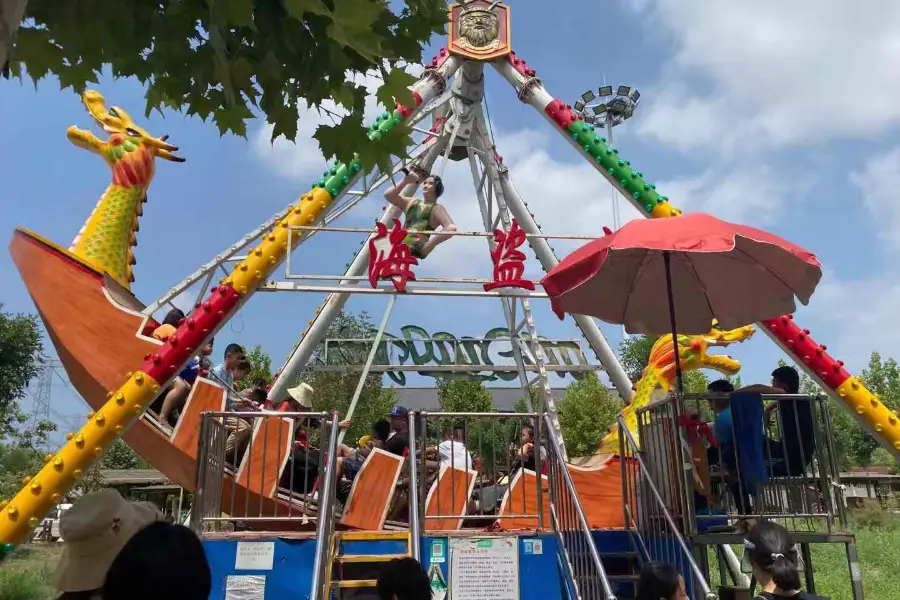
(878, 182)
(771, 73)
(746, 194)
(861, 313)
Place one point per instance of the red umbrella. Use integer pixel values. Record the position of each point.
(706, 268)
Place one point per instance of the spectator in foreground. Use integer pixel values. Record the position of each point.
(770, 554)
(403, 579)
(162, 560)
(94, 530)
(660, 581)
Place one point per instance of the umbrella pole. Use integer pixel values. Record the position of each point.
(667, 260)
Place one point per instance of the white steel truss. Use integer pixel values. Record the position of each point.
(462, 125)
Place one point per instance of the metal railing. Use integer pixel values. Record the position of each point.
(577, 549)
(656, 532)
(450, 446)
(321, 576)
(260, 467)
(794, 477)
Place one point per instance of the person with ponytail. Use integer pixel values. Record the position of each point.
(771, 555)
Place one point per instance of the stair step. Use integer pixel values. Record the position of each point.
(372, 536)
(355, 583)
(368, 558)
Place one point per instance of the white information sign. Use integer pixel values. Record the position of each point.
(484, 568)
(255, 556)
(245, 587)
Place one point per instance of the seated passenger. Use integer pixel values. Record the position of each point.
(349, 466)
(795, 450)
(181, 387)
(169, 325)
(452, 450)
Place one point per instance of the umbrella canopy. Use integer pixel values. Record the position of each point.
(719, 270)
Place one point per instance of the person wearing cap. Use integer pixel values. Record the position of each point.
(398, 441)
(93, 531)
(422, 215)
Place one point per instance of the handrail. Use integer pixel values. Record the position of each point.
(626, 436)
(325, 524)
(415, 524)
(585, 530)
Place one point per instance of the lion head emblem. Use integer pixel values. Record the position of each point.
(479, 26)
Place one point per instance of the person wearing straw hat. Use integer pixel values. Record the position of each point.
(97, 526)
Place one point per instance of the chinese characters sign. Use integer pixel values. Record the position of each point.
(390, 257)
(509, 261)
(484, 568)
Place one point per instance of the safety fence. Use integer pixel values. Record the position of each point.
(656, 532)
(720, 461)
(260, 468)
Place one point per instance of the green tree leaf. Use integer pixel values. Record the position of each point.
(353, 26)
(236, 12)
(217, 59)
(396, 85)
(233, 119)
(342, 140)
(299, 8)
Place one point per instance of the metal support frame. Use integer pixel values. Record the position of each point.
(371, 359)
(338, 296)
(502, 220)
(207, 272)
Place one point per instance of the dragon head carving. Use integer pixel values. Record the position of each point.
(130, 150)
(693, 351)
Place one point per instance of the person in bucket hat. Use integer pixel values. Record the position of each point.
(93, 531)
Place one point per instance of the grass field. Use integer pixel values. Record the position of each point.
(27, 573)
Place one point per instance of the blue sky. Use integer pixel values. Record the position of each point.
(752, 112)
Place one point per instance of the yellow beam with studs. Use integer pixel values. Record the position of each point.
(42, 492)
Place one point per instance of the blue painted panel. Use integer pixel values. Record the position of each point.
(374, 547)
(290, 577)
(538, 573)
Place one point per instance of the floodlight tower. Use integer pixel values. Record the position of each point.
(609, 110)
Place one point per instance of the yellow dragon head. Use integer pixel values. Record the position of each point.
(660, 371)
(130, 150)
(692, 350)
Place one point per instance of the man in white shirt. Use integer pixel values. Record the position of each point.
(453, 450)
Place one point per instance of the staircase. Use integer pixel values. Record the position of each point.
(357, 558)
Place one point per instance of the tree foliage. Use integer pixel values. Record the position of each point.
(260, 368)
(585, 413)
(228, 59)
(491, 440)
(634, 354)
(21, 360)
(333, 391)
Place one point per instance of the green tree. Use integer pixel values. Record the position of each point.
(634, 354)
(229, 59)
(260, 368)
(16, 463)
(333, 391)
(21, 360)
(586, 412)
